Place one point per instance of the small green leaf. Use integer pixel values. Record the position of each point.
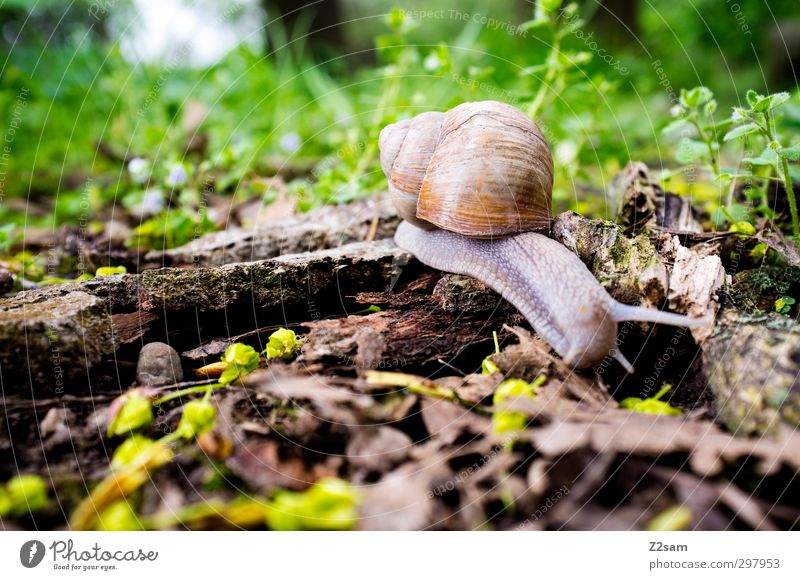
(283, 343)
(684, 99)
(676, 125)
(329, 504)
(767, 157)
(488, 367)
(508, 421)
(752, 97)
(695, 97)
(241, 359)
(550, 6)
(110, 270)
(512, 388)
(783, 305)
(790, 153)
(130, 449)
(396, 18)
(119, 517)
(759, 252)
(25, 494)
(743, 229)
(672, 519)
(778, 99)
(741, 131)
(504, 421)
(651, 405)
(198, 417)
(241, 354)
(770, 102)
(135, 413)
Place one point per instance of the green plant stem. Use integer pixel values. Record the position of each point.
(552, 66)
(787, 180)
(206, 389)
(708, 141)
(768, 123)
(787, 183)
(764, 187)
(170, 437)
(388, 95)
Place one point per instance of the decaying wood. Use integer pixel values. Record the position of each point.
(636, 197)
(641, 202)
(770, 235)
(52, 341)
(327, 227)
(78, 319)
(694, 285)
(131, 326)
(630, 269)
(395, 339)
(752, 364)
(644, 270)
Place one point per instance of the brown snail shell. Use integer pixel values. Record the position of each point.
(482, 169)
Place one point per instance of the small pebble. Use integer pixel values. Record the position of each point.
(159, 365)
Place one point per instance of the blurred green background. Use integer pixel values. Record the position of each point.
(209, 97)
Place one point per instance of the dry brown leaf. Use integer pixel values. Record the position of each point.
(636, 434)
(262, 465)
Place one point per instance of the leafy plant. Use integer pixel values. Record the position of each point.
(283, 343)
(130, 412)
(8, 237)
(758, 120)
(197, 418)
(504, 421)
(329, 504)
(23, 494)
(241, 359)
(696, 109)
(554, 71)
(488, 366)
(783, 305)
(651, 405)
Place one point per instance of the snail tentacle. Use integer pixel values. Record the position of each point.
(622, 312)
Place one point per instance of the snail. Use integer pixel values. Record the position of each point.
(474, 188)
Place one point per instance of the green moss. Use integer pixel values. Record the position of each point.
(755, 291)
(620, 252)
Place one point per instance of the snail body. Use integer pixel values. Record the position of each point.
(486, 216)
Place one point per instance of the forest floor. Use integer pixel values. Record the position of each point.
(386, 391)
